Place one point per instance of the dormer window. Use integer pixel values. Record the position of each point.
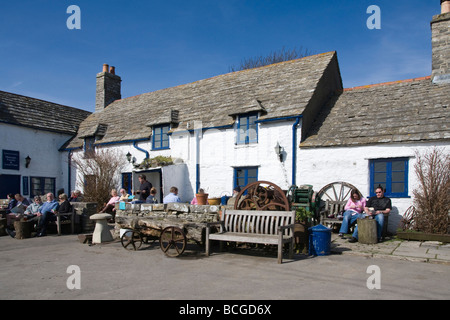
(160, 139)
(247, 129)
(89, 147)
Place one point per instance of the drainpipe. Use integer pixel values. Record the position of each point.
(147, 155)
(294, 149)
(69, 167)
(197, 133)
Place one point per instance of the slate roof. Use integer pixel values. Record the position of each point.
(39, 114)
(405, 111)
(277, 90)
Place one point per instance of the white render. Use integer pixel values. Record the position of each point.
(218, 155)
(320, 166)
(42, 147)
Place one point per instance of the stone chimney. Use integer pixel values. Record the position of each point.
(108, 88)
(440, 40)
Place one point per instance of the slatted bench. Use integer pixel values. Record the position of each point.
(263, 227)
(330, 214)
(65, 218)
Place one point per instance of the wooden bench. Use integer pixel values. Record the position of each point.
(63, 219)
(264, 227)
(332, 211)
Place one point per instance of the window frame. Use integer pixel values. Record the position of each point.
(389, 177)
(246, 138)
(42, 189)
(89, 147)
(246, 175)
(158, 131)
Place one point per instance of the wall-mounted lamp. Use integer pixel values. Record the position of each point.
(128, 155)
(278, 151)
(27, 161)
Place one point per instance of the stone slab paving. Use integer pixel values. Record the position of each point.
(426, 251)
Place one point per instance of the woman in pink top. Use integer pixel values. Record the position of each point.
(354, 209)
(110, 207)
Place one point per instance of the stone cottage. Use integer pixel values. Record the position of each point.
(32, 133)
(290, 123)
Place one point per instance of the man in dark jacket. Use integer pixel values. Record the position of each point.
(144, 189)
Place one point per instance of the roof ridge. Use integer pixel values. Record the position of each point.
(230, 73)
(387, 83)
(42, 100)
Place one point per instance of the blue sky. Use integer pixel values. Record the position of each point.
(160, 44)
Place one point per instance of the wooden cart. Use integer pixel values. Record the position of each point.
(173, 235)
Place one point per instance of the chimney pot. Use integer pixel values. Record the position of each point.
(105, 67)
(112, 70)
(445, 6)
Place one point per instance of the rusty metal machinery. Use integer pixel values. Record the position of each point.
(262, 195)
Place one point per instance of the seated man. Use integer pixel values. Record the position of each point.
(172, 196)
(381, 206)
(47, 214)
(33, 208)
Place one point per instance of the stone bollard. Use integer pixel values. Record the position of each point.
(101, 231)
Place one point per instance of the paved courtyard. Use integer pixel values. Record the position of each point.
(43, 268)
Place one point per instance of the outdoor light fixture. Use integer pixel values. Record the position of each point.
(27, 161)
(278, 150)
(128, 156)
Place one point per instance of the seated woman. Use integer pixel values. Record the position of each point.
(65, 207)
(17, 209)
(110, 207)
(152, 197)
(12, 202)
(353, 211)
(76, 196)
(194, 200)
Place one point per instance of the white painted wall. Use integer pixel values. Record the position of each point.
(218, 155)
(321, 166)
(42, 147)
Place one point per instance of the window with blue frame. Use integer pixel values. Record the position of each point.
(391, 174)
(245, 175)
(247, 129)
(126, 181)
(160, 139)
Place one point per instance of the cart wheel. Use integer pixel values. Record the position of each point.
(131, 240)
(173, 241)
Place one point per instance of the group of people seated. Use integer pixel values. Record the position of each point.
(357, 207)
(38, 212)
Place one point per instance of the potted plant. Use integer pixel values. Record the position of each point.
(302, 223)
